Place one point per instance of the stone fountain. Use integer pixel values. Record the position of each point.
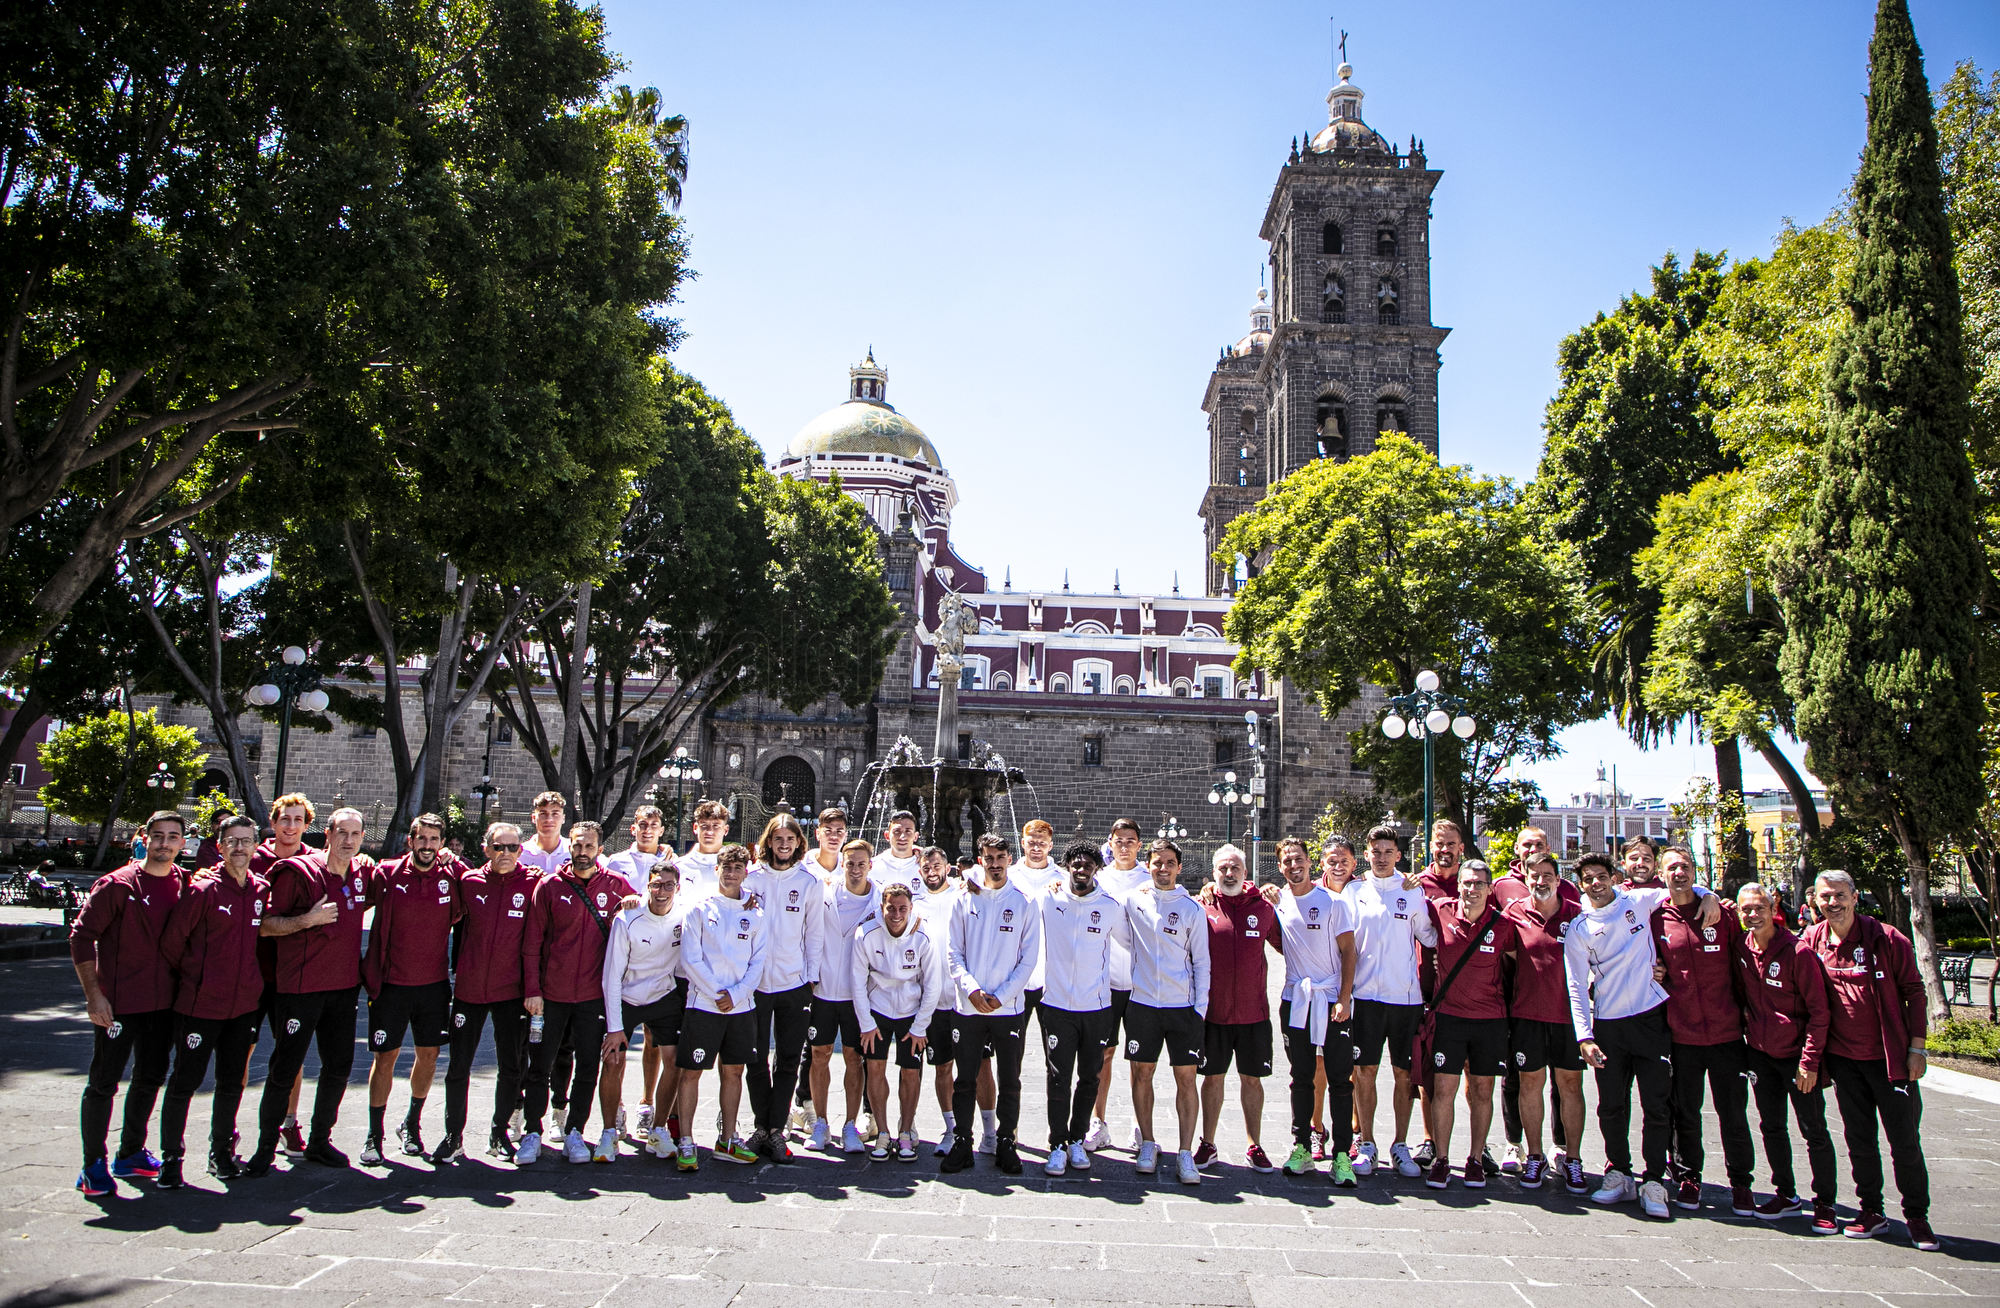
(948, 794)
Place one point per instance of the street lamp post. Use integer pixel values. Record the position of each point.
(1225, 793)
(288, 682)
(486, 790)
(682, 768)
(1170, 829)
(1256, 798)
(1424, 714)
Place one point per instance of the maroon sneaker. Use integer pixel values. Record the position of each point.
(1257, 1160)
(1687, 1194)
(1475, 1173)
(1205, 1154)
(292, 1140)
(1440, 1176)
(1780, 1206)
(1866, 1226)
(1825, 1220)
(1921, 1234)
(1741, 1201)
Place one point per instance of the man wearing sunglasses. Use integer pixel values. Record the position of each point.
(496, 899)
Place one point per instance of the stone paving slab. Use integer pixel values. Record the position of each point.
(857, 1234)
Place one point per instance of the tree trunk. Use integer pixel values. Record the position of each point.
(1738, 866)
(19, 725)
(1923, 930)
(572, 720)
(1802, 799)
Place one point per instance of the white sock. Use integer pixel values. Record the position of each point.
(950, 1124)
(989, 1119)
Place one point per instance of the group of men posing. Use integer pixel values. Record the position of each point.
(760, 963)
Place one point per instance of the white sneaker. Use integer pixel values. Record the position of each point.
(869, 1129)
(1058, 1162)
(575, 1149)
(988, 1142)
(530, 1150)
(800, 1121)
(607, 1146)
(1364, 1158)
(1099, 1137)
(1138, 1136)
(1510, 1162)
(1079, 1157)
(643, 1130)
(1405, 1161)
(1618, 1188)
(659, 1143)
(1148, 1160)
(943, 1144)
(1653, 1200)
(1190, 1174)
(819, 1133)
(850, 1139)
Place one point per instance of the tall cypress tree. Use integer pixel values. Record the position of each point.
(1882, 654)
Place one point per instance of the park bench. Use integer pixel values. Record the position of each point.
(1958, 978)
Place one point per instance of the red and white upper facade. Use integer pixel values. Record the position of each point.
(1029, 641)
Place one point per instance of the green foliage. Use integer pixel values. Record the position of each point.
(208, 808)
(1881, 654)
(1630, 423)
(1350, 815)
(1965, 1037)
(85, 760)
(1375, 568)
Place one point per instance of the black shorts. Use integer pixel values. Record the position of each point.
(1377, 1024)
(707, 1038)
(1120, 1001)
(662, 1018)
(834, 1017)
(893, 1032)
(1474, 1045)
(1247, 1044)
(941, 1044)
(1545, 1044)
(1149, 1029)
(421, 1011)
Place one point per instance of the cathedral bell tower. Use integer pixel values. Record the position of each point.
(1347, 348)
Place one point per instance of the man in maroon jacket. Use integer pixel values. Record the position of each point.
(1785, 1011)
(210, 943)
(1471, 1038)
(314, 931)
(1530, 845)
(562, 973)
(1705, 1017)
(407, 972)
(1238, 1024)
(495, 899)
(1875, 1054)
(128, 993)
(1541, 1038)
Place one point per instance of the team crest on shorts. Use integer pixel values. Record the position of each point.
(292, 1026)
(812, 1033)
(1052, 1044)
(458, 1019)
(698, 1054)
(1438, 1058)
(1131, 1047)
(1520, 1058)
(381, 1037)
(114, 1030)
(194, 1040)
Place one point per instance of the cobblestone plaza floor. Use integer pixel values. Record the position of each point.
(857, 1233)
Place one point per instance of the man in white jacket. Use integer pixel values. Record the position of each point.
(643, 988)
(789, 892)
(898, 979)
(1078, 921)
(846, 905)
(723, 945)
(1167, 931)
(1620, 1013)
(635, 864)
(996, 938)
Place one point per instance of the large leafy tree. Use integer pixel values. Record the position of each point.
(727, 581)
(214, 212)
(97, 767)
(1882, 650)
(1630, 423)
(1373, 569)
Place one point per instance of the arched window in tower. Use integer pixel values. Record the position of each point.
(1246, 423)
(1333, 301)
(1388, 303)
(1330, 422)
(1385, 242)
(1329, 239)
(1391, 415)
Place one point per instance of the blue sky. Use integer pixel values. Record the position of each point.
(1043, 217)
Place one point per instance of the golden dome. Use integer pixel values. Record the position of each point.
(864, 427)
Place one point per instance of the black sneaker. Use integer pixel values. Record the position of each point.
(412, 1137)
(960, 1157)
(261, 1162)
(450, 1150)
(323, 1153)
(499, 1144)
(224, 1165)
(1006, 1157)
(170, 1175)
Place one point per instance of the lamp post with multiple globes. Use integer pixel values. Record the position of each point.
(288, 682)
(683, 768)
(1424, 714)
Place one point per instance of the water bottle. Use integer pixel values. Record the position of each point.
(535, 1029)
